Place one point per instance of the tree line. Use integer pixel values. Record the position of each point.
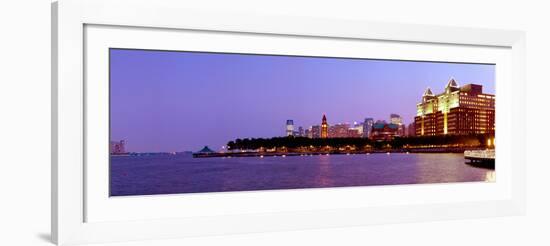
(472, 140)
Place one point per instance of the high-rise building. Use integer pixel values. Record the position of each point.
(301, 132)
(324, 127)
(308, 132)
(458, 110)
(396, 119)
(367, 127)
(316, 131)
(289, 128)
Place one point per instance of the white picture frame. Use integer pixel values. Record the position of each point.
(79, 217)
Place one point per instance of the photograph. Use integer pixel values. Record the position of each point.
(199, 122)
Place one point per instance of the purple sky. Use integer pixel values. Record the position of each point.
(176, 101)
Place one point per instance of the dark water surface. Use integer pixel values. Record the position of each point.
(168, 174)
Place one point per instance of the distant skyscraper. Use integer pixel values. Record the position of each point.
(289, 127)
(308, 133)
(396, 119)
(367, 127)
(324, 127)
(301, 132)
(316, 131)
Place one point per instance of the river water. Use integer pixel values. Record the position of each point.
(170, 174)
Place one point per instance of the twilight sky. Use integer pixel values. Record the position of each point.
(176, 101)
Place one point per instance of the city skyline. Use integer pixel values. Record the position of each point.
(290, 127)
(176, 101)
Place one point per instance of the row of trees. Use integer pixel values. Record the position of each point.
(474, 140)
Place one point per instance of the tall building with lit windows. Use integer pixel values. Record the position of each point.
(339, 130)
(324, 127)
(458, 110)
(398, 120)
(367, 127)
(315, 131)
(289, 128)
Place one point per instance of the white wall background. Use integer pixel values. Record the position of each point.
(25, 122)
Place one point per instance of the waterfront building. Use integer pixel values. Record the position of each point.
(206, 150)
(382, 131)
(458, 110)
(117, 147)
(367, 127)
(324, 127)
(289, 128)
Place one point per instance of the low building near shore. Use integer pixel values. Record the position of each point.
(382, 131)
(117, 147)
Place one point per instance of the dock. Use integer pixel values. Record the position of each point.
(480, 157)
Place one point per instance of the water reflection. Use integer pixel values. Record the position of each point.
(181, 174)
(490, 176)
(323, 178)
(435, 168)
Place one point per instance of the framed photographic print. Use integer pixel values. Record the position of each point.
(172, 125)
(194, 122)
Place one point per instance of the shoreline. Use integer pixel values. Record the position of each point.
(336, 152)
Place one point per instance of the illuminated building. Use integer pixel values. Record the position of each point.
(367, 127)
(382, 131)
(410, 130)
(358, 127)
(301, 132)
(324, 127)
(397, 120)
(316, 131)
(402, 130)
(338, 131)
(117, 147)
(308, 133)
(458, 110)
(354, 133)
(289, 128)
